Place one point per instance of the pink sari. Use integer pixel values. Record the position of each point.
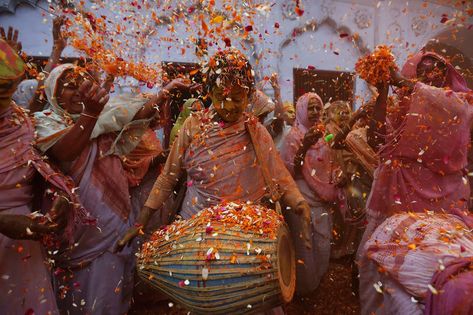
(319, 169)
(425, 155)
(26, 279)
(421, 166)
(221, 166)
(319, 190)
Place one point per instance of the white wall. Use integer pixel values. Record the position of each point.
(405, 24)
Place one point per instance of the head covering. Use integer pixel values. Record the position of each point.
(260, 104)
(12, 66)
(301, 125)
(454, 79)
(25, 92)
(289, 109)
(51, 86)
(332, 109)
(302, 116)
(116, 116)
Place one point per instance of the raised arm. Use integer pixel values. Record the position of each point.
(76, 139)
(59, 44)
(11, 38)
(278, 108)
(338, 142)
(377, 124)
(149, 109)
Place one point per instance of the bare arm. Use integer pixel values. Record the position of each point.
(149, 109)
(76, 139)
(377, 124)
(279, 108)
(59, 44)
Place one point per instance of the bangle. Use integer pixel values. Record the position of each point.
(90, 116)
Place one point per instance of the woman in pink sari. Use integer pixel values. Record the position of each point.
(221, 151)
(26, 280)
(89, 135)
(316, 180)
(424, 154)
(423, 261)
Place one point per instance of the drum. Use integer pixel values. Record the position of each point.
(228, 259)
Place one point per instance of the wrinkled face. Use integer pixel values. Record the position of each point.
(431, 71)
(342, 116)
(7, 88)
(230, 104)
(67, 93)
(314, 110)
(290, 115)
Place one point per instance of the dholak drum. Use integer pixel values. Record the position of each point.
(227, 259)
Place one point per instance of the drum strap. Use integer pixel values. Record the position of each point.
(274, 192)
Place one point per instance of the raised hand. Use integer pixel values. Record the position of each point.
(179, 84)
(60, 42)
(11, 38)
(94, 97)
(274, 80)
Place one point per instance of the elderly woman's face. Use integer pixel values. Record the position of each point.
(342, 116)
(431, 71)
(230, 104)
(314, 110)
(67, 93)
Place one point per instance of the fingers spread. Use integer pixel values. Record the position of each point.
(10, 33)
(15, 36)
(84, 87)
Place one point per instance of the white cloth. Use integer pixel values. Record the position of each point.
(116, 116)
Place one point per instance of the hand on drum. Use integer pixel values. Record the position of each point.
(303, 210)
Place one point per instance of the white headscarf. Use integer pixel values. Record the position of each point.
(25, 92)
(116, 116)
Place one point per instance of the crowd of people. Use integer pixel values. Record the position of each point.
(84, 178)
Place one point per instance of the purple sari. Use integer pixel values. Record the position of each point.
(103, 187)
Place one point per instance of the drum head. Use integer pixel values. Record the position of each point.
(286, 264)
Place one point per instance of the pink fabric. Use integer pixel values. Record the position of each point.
(26, 283)
(221, 166)
(454, 79)
(410, 248)
(106, 174)
(421, 165)
(320, 171)
(455, 287)
(16, 155)
(294, 139)
(319, 166)
(101, 278)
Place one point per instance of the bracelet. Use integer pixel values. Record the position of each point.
(90, 116)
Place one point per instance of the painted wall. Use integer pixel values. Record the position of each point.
(406, 24)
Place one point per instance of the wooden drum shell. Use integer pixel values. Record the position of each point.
(252, 273)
